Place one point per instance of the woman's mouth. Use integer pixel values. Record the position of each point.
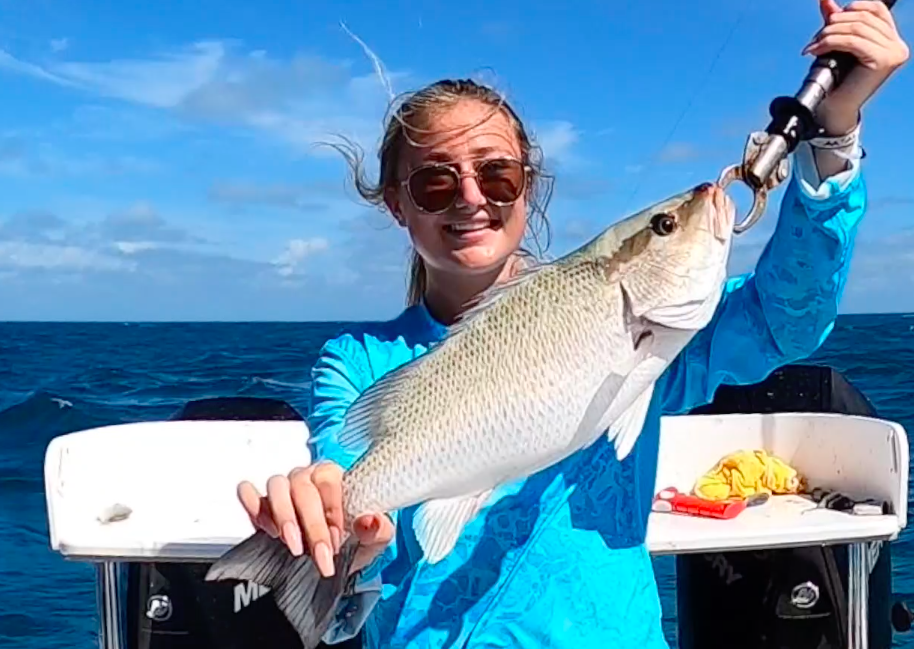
(470, 227)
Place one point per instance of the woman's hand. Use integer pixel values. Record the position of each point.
(866, 29)
(305, 509)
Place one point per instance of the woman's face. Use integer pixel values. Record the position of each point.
(472, 234)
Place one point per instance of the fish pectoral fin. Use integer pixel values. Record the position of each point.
(614, 395)
(439, 523)
(307, 600)
(598, 411)
(624, 431)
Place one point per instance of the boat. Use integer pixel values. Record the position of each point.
(152, 505)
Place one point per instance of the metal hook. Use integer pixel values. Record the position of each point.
(759, 197)
(754, 146)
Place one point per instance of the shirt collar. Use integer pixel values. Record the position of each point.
(428, 322)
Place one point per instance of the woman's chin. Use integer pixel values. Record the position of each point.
(480, 259)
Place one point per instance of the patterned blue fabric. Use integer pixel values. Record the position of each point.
(559, 559)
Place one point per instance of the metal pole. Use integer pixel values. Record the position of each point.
(861, 559)
(109, 621)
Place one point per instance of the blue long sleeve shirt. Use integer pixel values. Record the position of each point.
(559, 559)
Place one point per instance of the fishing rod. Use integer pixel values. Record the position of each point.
(793, 120)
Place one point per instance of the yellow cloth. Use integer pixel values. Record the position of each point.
(745, 473)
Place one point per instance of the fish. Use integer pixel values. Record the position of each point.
(541, 366)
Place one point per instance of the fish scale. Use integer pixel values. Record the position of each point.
(541, 367)
(487, 436)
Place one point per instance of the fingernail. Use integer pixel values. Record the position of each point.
(292, 537)
(266, 526)
(335, 538)
(324, 559)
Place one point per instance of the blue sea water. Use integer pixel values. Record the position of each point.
(59, 378)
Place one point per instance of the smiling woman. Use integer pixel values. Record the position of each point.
(439, 201)
(558, 559)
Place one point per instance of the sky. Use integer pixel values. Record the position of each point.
(158, 161)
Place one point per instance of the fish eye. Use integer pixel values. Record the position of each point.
(663, 224)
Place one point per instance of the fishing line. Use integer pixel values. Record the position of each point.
(698, 88)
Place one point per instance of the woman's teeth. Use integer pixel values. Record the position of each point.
(467, 227)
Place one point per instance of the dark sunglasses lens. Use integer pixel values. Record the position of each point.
(502, 181)
(434, 188)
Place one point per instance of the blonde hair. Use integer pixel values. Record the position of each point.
(414, 115)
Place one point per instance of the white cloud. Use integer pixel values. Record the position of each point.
(9, 62)
(35, 226)
(58, 257)
(59, 44)
(557, 140)
(294, 101)
(137, 239)
(164, 81)
(299, 101)
(296, 252)
(140, 223)
(40, 240)
(133, 247)
(376, 254)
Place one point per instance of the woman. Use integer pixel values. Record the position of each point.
(558, 559)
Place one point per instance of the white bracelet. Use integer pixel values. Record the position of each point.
(849, 141)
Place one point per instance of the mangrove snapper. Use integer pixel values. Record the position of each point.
(538, 369)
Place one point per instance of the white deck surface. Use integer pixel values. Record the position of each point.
(179, 478)
(781, 522)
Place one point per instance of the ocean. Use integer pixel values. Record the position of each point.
(59, 378)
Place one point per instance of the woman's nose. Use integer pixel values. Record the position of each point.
(470, 193)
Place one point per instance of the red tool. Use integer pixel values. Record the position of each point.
(672, 500)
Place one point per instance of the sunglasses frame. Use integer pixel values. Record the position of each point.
(452, 167)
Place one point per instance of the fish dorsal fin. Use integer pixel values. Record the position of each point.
(363, 422)
(439, 523)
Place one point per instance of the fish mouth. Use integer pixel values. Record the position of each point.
(724, 217)
(721, 212)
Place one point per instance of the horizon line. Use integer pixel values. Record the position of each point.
(278, 321)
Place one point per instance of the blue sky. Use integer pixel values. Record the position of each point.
(157, 161)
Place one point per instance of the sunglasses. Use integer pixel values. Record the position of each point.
(435, 187)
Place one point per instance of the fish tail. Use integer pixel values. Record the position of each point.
(308, 600)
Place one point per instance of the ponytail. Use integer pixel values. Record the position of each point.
(418, 279)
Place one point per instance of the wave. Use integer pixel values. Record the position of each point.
(106, 396)
(46, 411)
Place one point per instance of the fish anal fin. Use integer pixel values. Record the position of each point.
(439, 523)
